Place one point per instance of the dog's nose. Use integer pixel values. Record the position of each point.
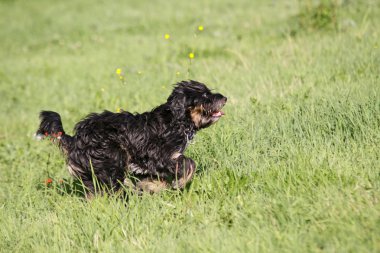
(223, 99)
(220, 97)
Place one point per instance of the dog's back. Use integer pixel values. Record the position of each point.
(93, 150)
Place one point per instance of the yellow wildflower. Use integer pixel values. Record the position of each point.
(167, 36)
(191, 55)
(118, 71)
(177, 73)
(118, 110)
(200, 28)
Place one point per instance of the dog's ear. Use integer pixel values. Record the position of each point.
(177, 105)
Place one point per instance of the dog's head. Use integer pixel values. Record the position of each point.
(193, 100)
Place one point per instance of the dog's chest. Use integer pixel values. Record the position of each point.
(189, 136)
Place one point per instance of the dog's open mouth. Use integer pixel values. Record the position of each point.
(217, 114)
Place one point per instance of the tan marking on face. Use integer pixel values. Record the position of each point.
(196, 115)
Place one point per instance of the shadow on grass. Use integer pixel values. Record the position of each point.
(73, 187)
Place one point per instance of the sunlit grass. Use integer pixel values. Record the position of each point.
(292, 167)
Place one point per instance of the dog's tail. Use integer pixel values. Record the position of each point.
(51, 126)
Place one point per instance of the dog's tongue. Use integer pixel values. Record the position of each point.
(218, 114)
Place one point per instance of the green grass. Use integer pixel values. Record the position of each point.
(294, 166)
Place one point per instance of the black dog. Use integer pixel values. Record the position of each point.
(147, 146)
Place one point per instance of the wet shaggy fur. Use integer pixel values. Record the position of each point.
(144, 151)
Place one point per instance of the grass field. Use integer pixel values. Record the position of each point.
(294, 166)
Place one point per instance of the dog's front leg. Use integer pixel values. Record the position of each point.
(184, 172)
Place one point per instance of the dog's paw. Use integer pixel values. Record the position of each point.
(151, 185)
